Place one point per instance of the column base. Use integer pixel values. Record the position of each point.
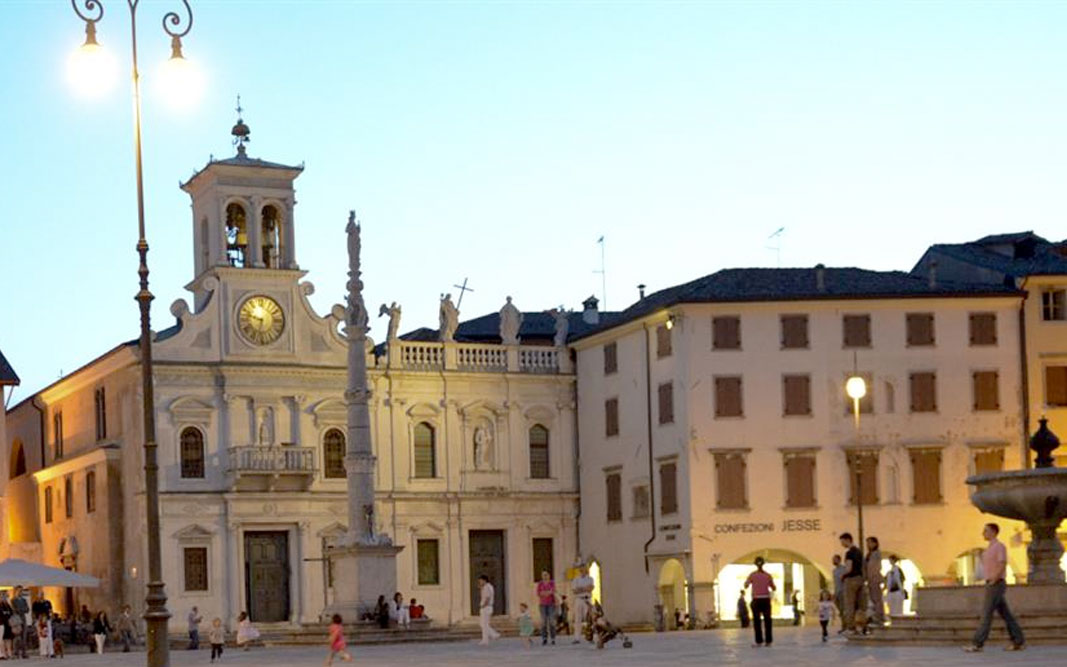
(361, 573)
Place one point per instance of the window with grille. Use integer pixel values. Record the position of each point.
(923, 392)
(542, 558)
(425, 451)
(613, 482)
(863, 476)
(986, 390)
(539, 452)
(1056, 385)
(663, 341)
(856, 330)
(666, 403)
(101, 414)
(1054, 305)
(611, 358)
(192, 453)
(920, 329)
(800, 480)
(48, 504)
(642, 504)
(797, 395)
(926, 476)
(195, 568)
(794, 331)
(989, 460)
(728, 401)
(726, 333)
(983, 328)
(68, 497)
(668, 488)
(90, 491)
(333, 454)
(57, 435)
(428, 554)
(611, 417)
(730, 481)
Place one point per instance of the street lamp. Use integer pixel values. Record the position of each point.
(856, 388)
(86, 64)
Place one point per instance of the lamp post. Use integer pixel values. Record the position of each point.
(856, 388)
(156, 614)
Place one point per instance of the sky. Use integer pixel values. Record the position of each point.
(498, 141)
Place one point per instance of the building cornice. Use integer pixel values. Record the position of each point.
(80, 462)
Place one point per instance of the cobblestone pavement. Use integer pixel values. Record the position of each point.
(793, 647)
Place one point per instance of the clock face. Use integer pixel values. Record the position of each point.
(261, 320)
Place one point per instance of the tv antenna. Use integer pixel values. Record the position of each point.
(603, 274)
(776, 245)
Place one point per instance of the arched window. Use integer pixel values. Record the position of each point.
(236, 235)
(192, 453)
(271, 235)
(18, 460)
(539, 452)
(333, 454)
(425, 451)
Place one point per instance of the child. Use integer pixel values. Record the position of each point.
(245, 632)
(44, 637)
(826, 610)
(217, 636)
(526, 627)
(337, 641)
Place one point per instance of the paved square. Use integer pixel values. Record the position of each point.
(792, 648)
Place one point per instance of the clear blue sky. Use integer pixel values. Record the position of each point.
(499, 140)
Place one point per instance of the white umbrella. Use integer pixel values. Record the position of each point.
(15, 572)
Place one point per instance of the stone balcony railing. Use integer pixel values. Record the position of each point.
(476, 358)
(270, 467)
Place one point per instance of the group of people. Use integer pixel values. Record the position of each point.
(24, 624)
(396, 612)
(246, 633)
(860, 589)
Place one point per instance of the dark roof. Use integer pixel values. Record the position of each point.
(7, 373)
(242, 160)
(752, 285)
(1010, 237)
(536, 326)
(1032, 256)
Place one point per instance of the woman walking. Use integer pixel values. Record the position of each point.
(762, 585)
(894, 585)
(246, 632)
(546, 598)
(101, 629)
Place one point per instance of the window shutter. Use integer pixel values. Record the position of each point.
(797, 394)
(991, 460)
(920, 328)
(668, 481)
(663, 341)
(611, 358)
(1056, 385)
(614, 492)
(923, 392)
(726, 333)
(794, 331)
(728, 397)
(857, 330)
(666, 403)
(866, 463)
(730, 479)
(926, 476)
(611, 417)
(986, 391)
(800, 480)
(983, 328)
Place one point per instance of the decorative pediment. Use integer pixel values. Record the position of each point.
(482, 407)
(541, 414)
(329, 411)
(187, 409)
(424, 411)
(427, 528)
(193, 533)
(332, 531)
(542, 527)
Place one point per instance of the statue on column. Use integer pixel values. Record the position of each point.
(265, 424)
(561, 318)
(393, 311)
(510, 323)
(449, 319)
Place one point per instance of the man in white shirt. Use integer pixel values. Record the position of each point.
(485, 610)
(582, 587)
(994, 568)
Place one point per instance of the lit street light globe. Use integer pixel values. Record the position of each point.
(856, 387)
(91, 71)
(180, 83)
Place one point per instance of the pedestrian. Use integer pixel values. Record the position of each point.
(762, 584)
(875, 580)
(17, 622)
(194, 629)
(400, 612)
(839, 570)
(853, 582)
(101, 629)
(125, 628)
(526, 626)
(44, 637)
(381, 612)
(216, 635)
(896, 594)
(826, 611)
(337, 641)
(742, 609)
(546, 602)
(563, 623)
(794, 600)
(994, 569)
(6, 612)
(485, 610)
(582, 587)
(41, 606)
(246, 632)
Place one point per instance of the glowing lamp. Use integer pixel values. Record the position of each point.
(91, 70)
(856, 387)
(179, 81)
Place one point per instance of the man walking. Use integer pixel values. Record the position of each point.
(994, 567)
(762, 584)
(126, 629)
(546, 598)
(582, 586)
(839, 587)
(485, 610)
(194, 629)
(853, 581)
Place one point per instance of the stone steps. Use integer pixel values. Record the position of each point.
(959, 629)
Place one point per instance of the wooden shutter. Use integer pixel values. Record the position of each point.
(428, 555)
(542, 558)
(730, 479)
(794, 331)
(611, 417)
(926, 476)
(48, 500)
(989, 460)
(663, 341)
(920, 328)
(90, 491)
(425, 451)
(797, 389)
(666, 403)
(611, 358)
(800, 480)
(726, 333)
(866, 465)
(857, 330)
(986, 390)
(641, 502)
(668, 488)
(1056, 385)
(923, 392)
(728, 401)
(614, 491)
(68, 497)
(983, 328)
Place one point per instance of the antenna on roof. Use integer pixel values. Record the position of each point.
(776, 239)
(603, 274)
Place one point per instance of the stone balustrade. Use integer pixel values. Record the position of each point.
(539, 359)
(476, 358)
(272, 459)
(420, 356)
(481, 358)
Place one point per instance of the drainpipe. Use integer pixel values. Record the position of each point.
(1024, 374)
(651, 475)
(577, 466)
(40, 439)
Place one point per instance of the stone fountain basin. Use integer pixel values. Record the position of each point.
(1037, 495)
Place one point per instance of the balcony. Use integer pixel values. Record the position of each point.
(476, 358)
(272, 467)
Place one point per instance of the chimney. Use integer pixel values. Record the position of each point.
(933, 273)
(590, 314)
(820, 277)
(641, 291)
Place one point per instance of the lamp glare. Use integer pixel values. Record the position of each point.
(856, 387)
(91, 71)
(180, 83)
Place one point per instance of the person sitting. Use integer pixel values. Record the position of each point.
(382, 612)
(416, 610)
(603, 630)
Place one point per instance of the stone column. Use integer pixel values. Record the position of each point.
(255, 233)
(287, 253)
